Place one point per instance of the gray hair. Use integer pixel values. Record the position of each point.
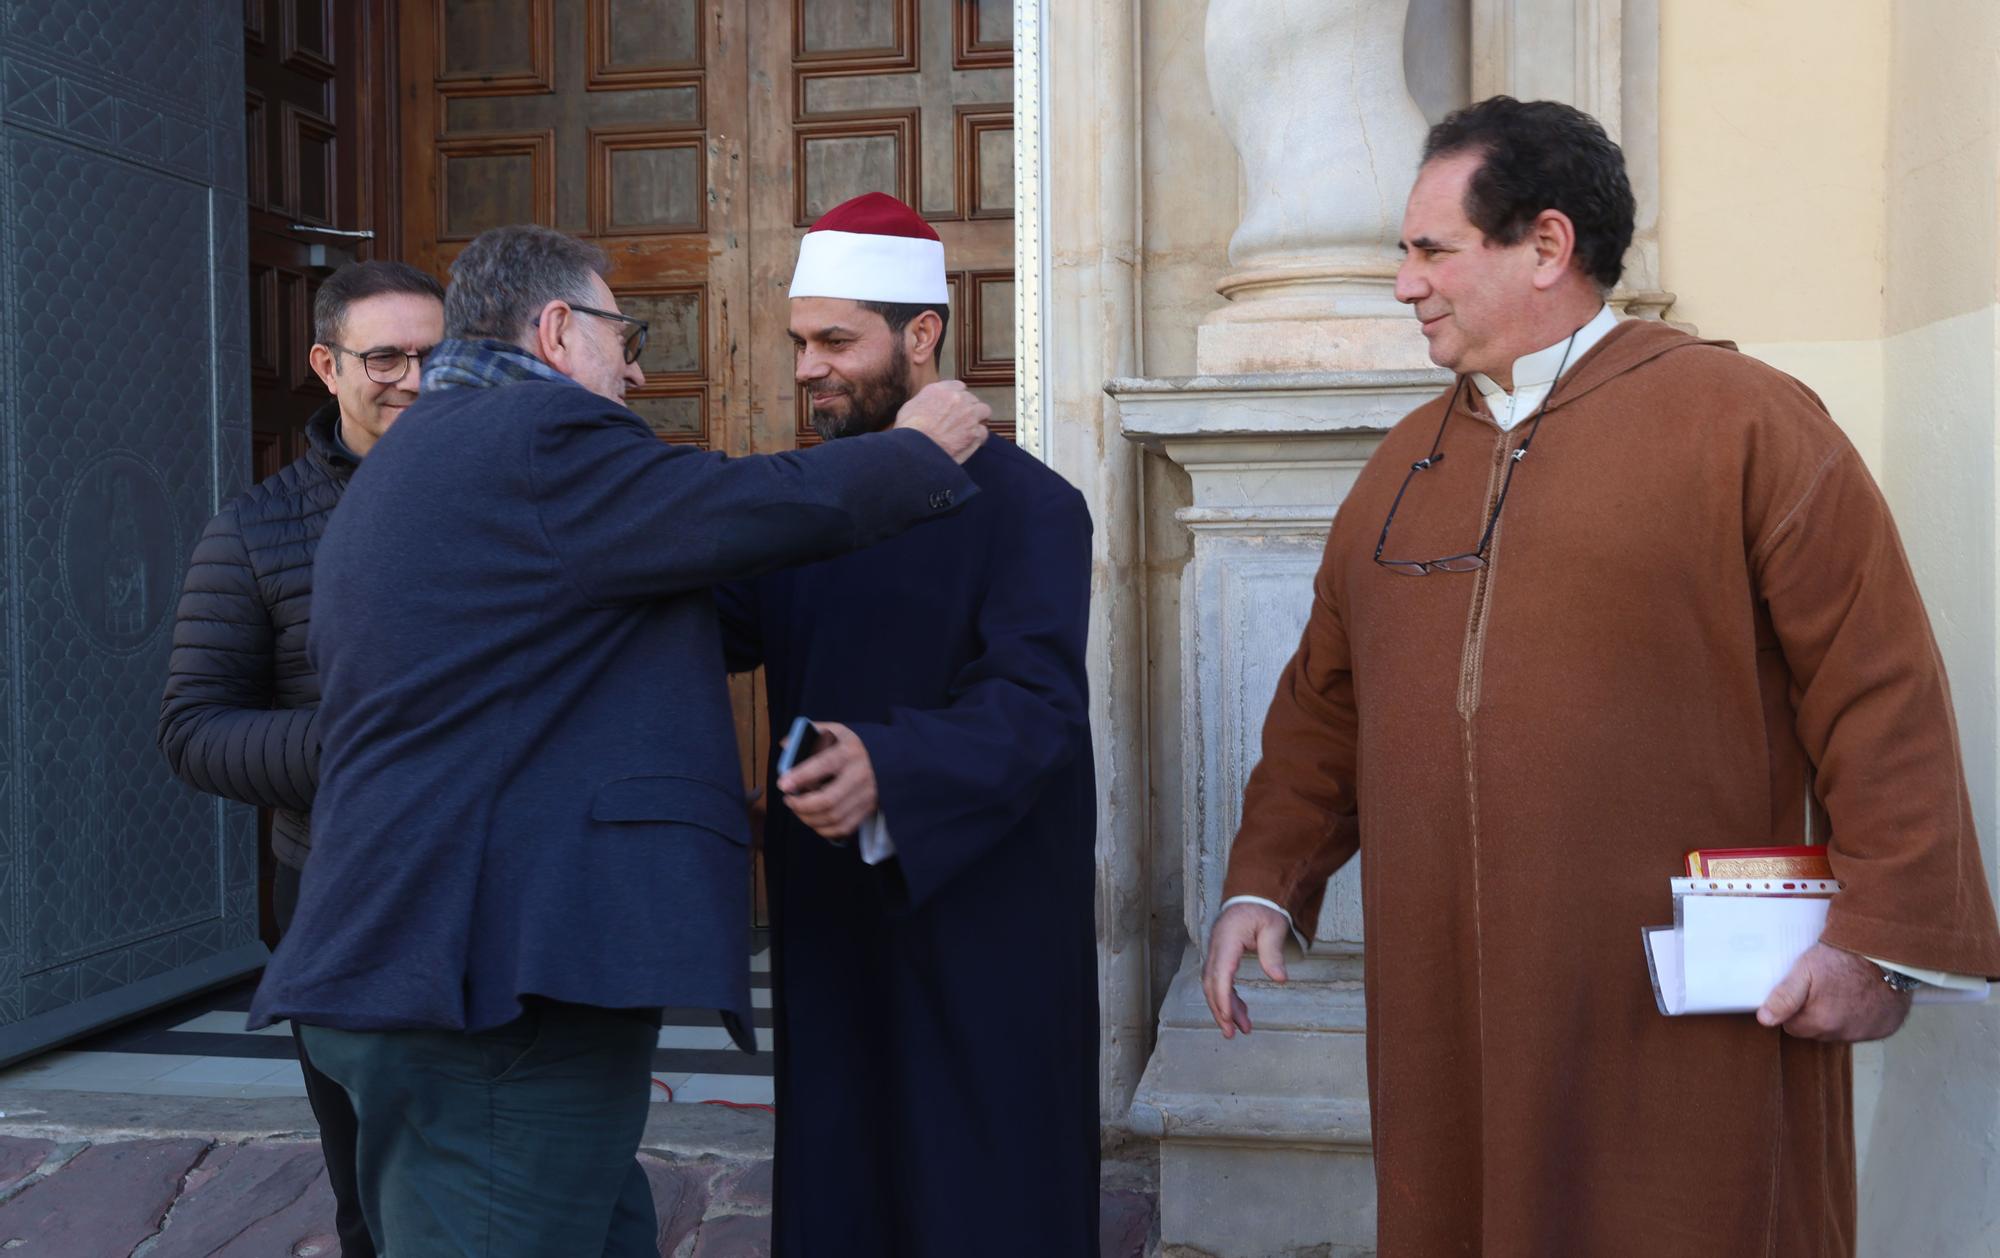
(506, 275)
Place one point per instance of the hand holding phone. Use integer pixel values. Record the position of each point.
(801, 742)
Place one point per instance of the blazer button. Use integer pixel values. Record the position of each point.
(940, 500)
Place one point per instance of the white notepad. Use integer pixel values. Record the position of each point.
(1729, 947)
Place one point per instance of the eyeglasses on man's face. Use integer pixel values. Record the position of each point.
(384, 365)
(635, 329)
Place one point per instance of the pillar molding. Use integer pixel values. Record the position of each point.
(1269, 458)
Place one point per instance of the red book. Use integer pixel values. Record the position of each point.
(1759, 862)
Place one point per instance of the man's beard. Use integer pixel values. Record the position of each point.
(871, 404)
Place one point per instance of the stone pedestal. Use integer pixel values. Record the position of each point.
(1264, 1139)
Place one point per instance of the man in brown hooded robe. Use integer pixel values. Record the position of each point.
(1618, 594)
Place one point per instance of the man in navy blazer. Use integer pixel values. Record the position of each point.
(530, 832)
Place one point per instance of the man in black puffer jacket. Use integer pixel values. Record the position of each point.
(241, 712)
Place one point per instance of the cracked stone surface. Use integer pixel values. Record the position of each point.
(19, 1159)
(105, 1200)
(114, 1178)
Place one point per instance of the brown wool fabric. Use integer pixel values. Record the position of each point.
(1695, 593)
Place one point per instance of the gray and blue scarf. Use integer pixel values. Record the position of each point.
(454, 364)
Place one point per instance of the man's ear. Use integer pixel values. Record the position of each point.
(550, 335)
(325, 366)
(1554, 237)
(922, 336)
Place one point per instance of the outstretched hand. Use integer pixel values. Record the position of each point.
(1241, 928)
(1835, 995)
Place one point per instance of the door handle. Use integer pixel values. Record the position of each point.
(333, 231)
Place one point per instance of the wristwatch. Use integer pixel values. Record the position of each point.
(1899, 981)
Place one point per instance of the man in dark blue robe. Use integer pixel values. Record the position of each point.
(931, 870)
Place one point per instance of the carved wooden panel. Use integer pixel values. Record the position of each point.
(982, 33)
(264, 324)
(253, 25)
(305, 36)
(494, 45)
(986, 162)
(679, 415)
(841, 159)
(857, 36)
(647, 183)
(493, 181)
(643, 43)
(676, 106)
(677, 331)
(308, 154)
(950, 76)
(987, 335)
(296, 291)
(256, 151)
(617, 121)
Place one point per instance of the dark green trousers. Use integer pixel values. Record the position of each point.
(517, 1142)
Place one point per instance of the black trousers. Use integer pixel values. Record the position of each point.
(338, 1131)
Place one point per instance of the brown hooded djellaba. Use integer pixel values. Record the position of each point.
(1695, 596)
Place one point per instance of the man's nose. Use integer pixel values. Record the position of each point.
(635, 376)
(809, 367)
(1410, 286)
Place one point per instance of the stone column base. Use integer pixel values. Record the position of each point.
(1264, 1139)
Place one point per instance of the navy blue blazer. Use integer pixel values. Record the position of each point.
(528, 773)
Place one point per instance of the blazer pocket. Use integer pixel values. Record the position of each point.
(665, 797)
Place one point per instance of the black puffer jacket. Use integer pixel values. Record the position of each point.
(241, 713)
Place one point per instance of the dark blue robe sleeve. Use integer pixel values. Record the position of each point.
(631, 517)
(740, 611)
(954, 781)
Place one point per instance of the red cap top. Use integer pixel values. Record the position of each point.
(875, 214)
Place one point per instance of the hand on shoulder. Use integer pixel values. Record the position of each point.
(948, 413)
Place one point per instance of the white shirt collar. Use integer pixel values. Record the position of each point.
(1537, 371)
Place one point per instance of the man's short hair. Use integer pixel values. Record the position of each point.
(1543, 155)
(359, 281)
(898, 314)
(506, 275)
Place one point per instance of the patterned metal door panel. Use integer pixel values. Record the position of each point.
(123, 424)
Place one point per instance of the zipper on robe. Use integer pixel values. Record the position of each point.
(1472, 662)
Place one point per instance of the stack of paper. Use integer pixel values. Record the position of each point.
(1732, 941)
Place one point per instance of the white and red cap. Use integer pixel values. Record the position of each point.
(873, 248)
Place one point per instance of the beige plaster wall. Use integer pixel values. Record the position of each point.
(1831, 200)
(1772, 144)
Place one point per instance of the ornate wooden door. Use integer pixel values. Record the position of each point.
(619, 121)
(909, 97)
(694, 143)
(316, 181)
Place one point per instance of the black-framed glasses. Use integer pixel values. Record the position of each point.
(635, 329)
(1475, 559)
(384, 366)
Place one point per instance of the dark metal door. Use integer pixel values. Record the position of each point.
(125, 422)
